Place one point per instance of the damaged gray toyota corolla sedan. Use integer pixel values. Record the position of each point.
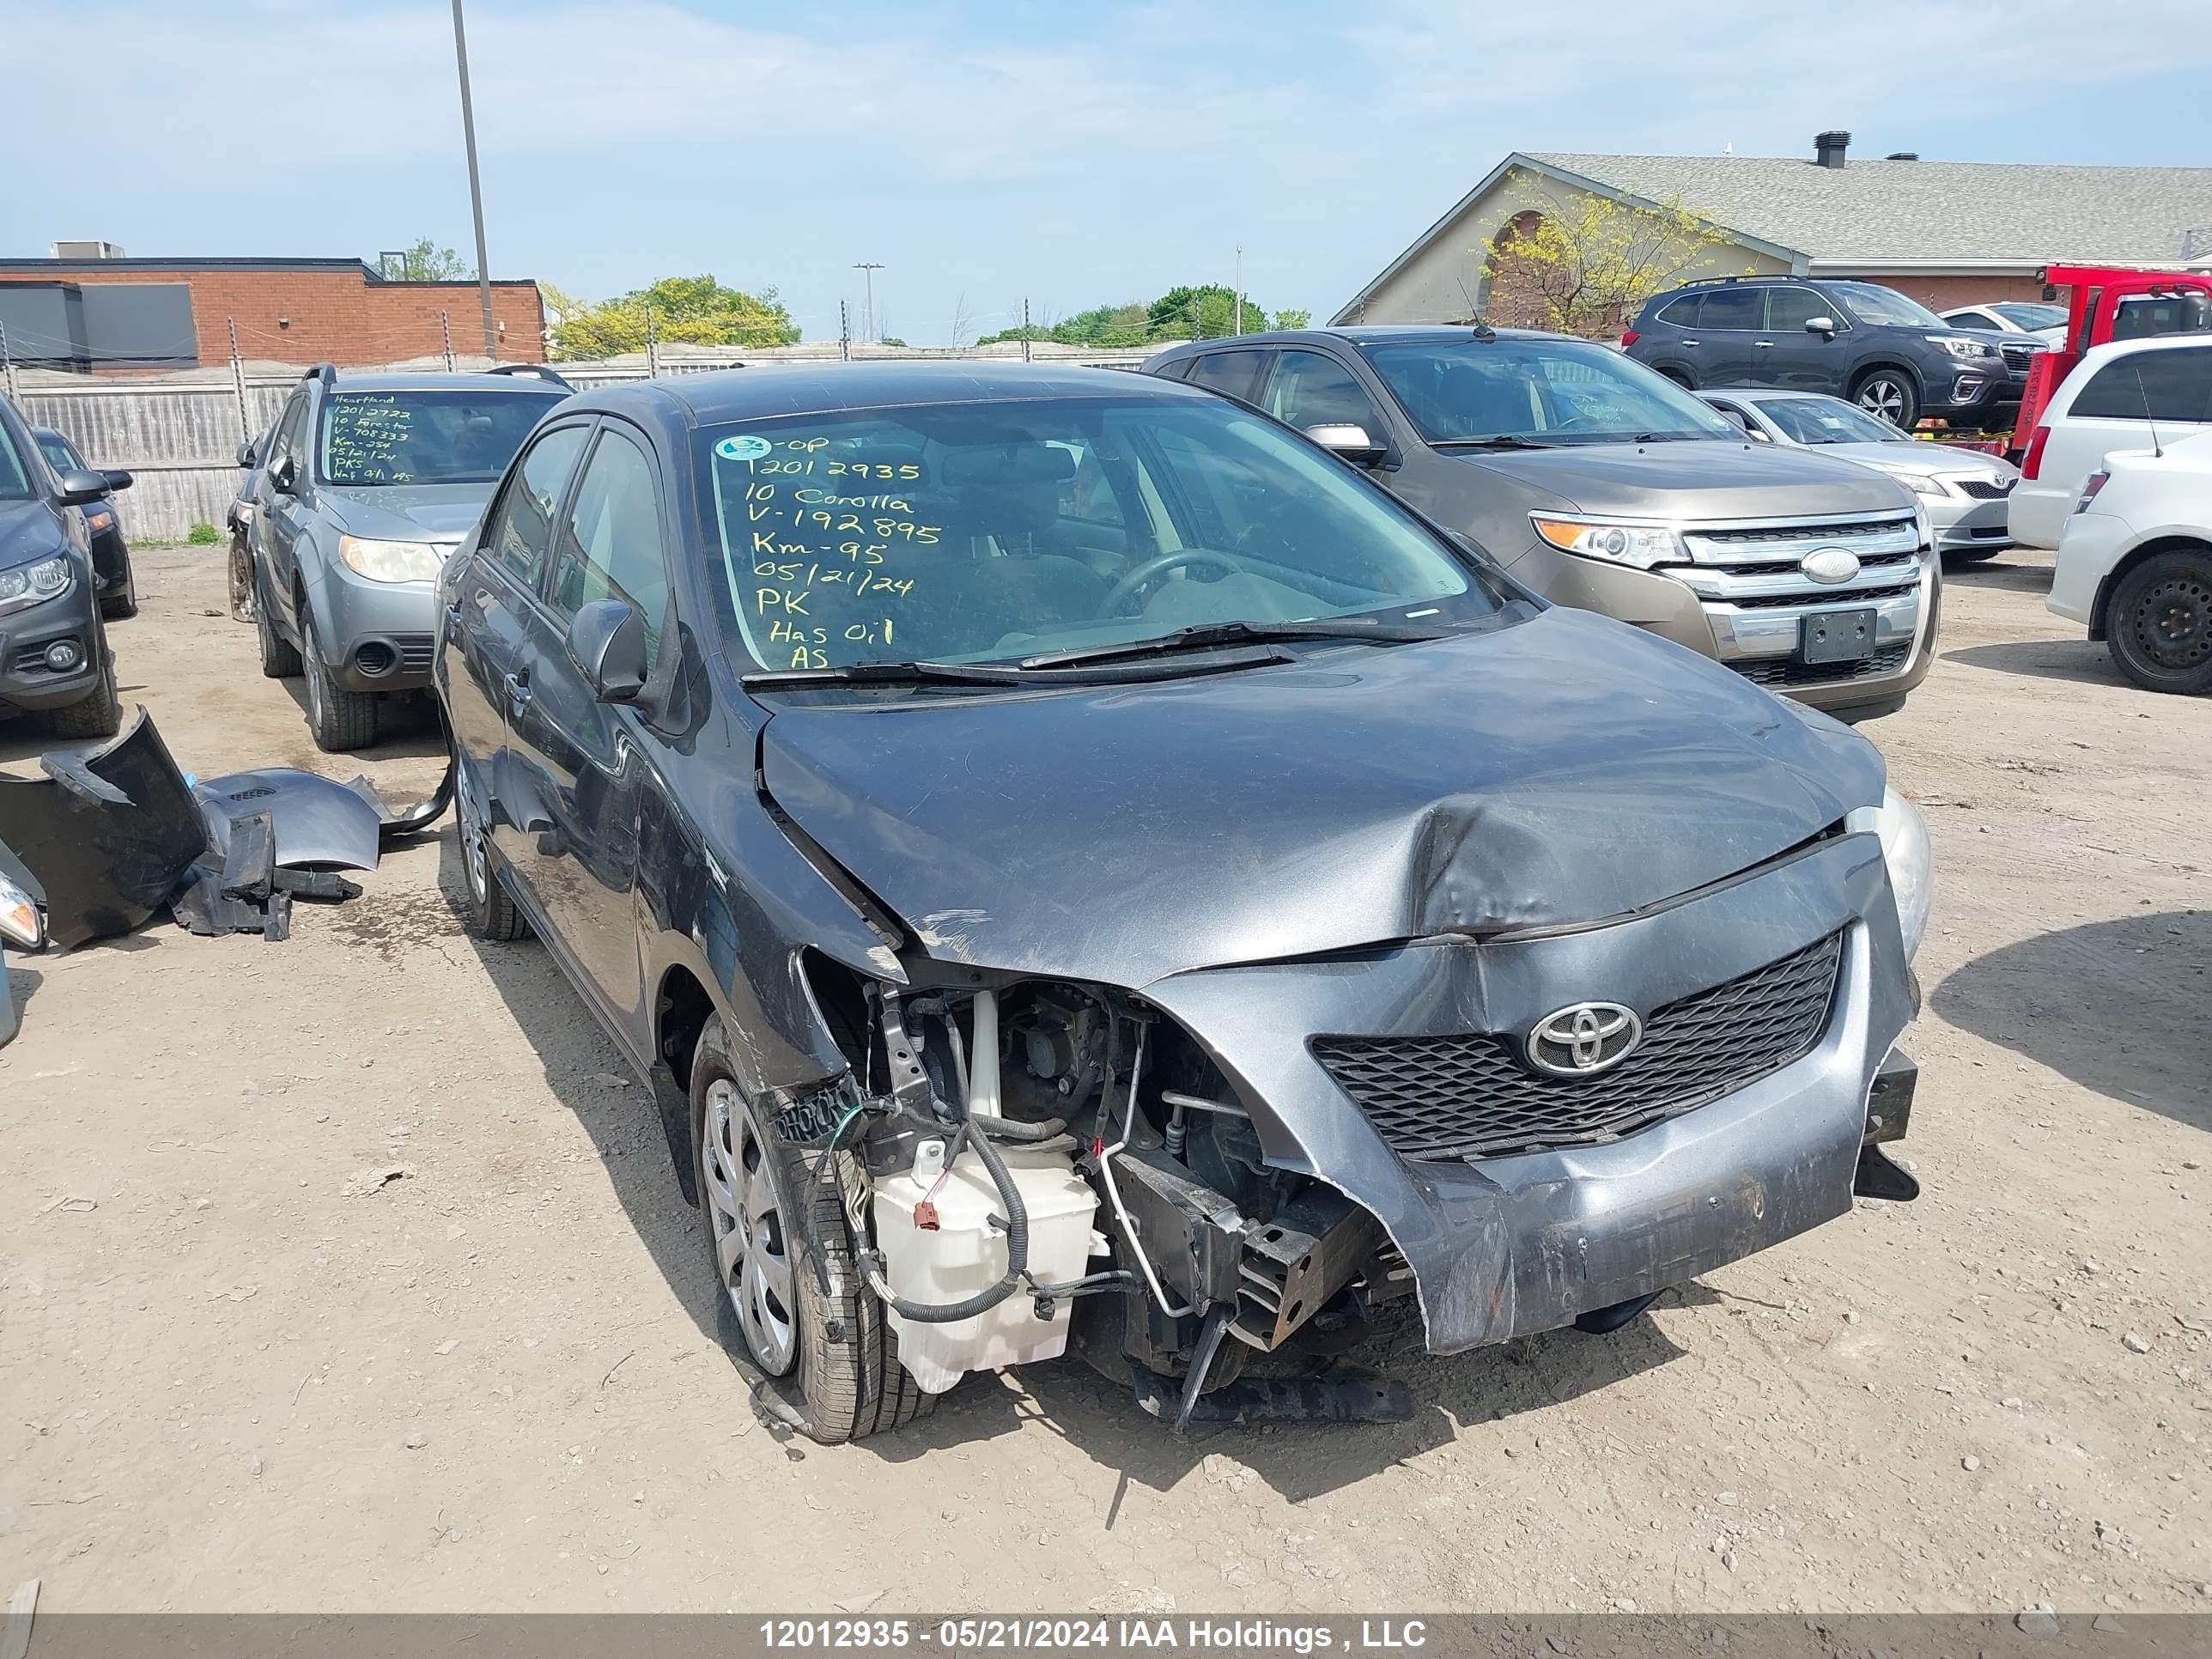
(1083, 867)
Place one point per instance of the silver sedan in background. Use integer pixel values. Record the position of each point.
(1965, 490)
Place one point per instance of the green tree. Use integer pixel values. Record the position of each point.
(426, 262)
(1294, 317)
(1585, 264)
(695, 310)
(1204, 312)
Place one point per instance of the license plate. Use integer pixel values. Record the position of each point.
(1836, 636)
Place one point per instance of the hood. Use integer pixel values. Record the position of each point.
(437, 512)
(1909, 455)
(1714, 478)
(1567, 768)
(29, 532)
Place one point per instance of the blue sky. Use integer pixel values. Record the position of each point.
(984, 153)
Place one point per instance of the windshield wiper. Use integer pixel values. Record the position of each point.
(1205, 634)
(1502, 441)
(885, 673)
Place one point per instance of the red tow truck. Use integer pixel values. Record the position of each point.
(2110, 302)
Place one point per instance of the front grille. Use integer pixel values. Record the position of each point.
(415, 651)
(31, 660)
(1785, 670)
(1815, 595)
(1879, 564)
(1985, 489)
(1469, 1096)
(1812, 535)
(2017, 358)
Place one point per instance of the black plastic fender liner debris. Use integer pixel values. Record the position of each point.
(1341, 1396)
(397, 826)
(249, 863)
(106, 864)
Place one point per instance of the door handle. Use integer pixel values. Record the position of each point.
(1689, 342)
(518, 689)
(1764, 345)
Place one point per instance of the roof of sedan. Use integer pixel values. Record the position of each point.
(756, 394)
(437, 380)
(1371, 334)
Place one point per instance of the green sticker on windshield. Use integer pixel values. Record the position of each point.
(746, 448)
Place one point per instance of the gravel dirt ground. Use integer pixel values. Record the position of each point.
(241, 1378)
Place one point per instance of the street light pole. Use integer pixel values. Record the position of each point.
(867, 268)
(476, 188)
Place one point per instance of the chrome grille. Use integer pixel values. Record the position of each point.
(2017, 358)
(1469, 1096)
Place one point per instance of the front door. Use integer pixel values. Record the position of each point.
(593, 759)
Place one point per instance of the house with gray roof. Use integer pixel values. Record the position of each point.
(1947, 232)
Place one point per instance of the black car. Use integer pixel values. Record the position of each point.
(110, 554)
(54, 656)
(1011, 812)
(1888, 354)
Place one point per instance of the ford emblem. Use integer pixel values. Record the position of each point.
(1830, 564)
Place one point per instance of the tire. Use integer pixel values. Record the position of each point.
(280, 658)
(100, 714)
(339, 720)
(124, 605)
(489, 910)
(813, 1326)
(2159, 622)
(1679, 377)
(1889, 394)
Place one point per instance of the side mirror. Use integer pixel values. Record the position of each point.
(1819, 325)
(81, 487)
(1349, 440)
(246, 455)
(607, 639)
(116, 478)
(284, 475)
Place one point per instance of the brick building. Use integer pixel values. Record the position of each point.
(1945, 233)
(292, 311)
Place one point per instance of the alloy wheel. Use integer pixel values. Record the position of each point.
(1881, 398)
(740, 1189)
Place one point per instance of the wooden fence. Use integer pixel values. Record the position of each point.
(179, 440)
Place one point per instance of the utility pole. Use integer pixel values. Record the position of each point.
(868, 268)
(844, 331)
(237, 382)
(1240, 290)
(476, 188)
(651, 346)
(1025, 330)
(446, 332)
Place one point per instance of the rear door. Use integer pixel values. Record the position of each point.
(588, 758)
(277, 512)
(488, 605)
(1728, 325)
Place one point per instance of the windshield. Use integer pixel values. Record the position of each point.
(14, 477)
(1826, 420)
(972, 532)
(424, 437)
(1545, 389)
(2022, 314)
(59, 455)
(1884, 307)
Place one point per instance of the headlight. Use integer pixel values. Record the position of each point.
(1960, 347)
(1925, 484)
(1640, 545)
(102, 520)
(28, 584)
(21, 924)
(1904, 835)
(390, 562)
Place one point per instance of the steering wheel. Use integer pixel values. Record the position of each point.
(1159, 566)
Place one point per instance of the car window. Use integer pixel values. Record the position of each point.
(1539, 388)
(423, 437)
(609, 544)
(2155, 386)
(290, 425)
(1789, 309)
(1828, 420)
(1973, 319)
(1681, 313)
(1884, 307)
(942, 532)
(1735, 412)
(15, 476)
(1310, 388)
(1232, 373)
(60, 456)
(2029, 314)
(522, 523)
(1731, 307)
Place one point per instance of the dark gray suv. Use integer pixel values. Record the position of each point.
(1888, 354)
(368, 483)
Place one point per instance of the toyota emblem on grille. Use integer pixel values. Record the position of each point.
(1830, 564)
(1584, 1039)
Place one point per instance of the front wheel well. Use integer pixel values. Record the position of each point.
(681, 1010)
(1865, 371)
(2129, 560)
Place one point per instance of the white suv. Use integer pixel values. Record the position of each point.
(2134, 563)
(2120, 396)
